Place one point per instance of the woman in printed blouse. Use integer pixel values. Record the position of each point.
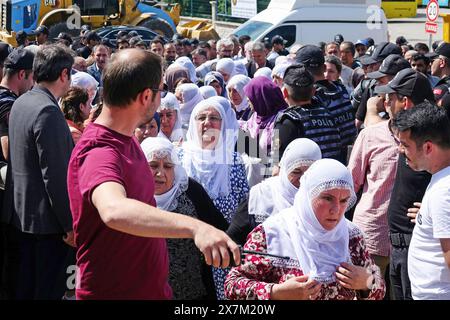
(321, 254)
(189, 276)
(208, 157)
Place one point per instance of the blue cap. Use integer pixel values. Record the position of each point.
(364, 42)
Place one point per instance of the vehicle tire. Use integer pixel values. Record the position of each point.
(57, 28)
(159, 26)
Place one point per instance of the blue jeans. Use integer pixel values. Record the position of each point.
(401, 286)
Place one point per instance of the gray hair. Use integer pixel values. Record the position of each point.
(224, 43)
(258, 46)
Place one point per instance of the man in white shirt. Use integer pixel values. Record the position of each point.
(424, 134)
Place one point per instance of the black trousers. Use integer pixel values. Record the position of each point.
(35, 266)
(401, 286)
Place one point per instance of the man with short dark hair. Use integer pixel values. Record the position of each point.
(22, 39)
(18, 79)
(199, 56)
(91, 39)
(423, 132)
(421, 63)
(304, 118)
(409, 88)
(170, 53)
(36, 205)
(278, 48)
(119, 230)
(347, 54)
(101, 56)
(157, 46)
(5, 50)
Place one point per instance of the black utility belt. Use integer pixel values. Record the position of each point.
(400, 239)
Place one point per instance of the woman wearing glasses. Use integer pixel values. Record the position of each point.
(189, 276)
(208, 156)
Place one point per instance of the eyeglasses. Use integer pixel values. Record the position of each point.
(202, 118)
(163, 91)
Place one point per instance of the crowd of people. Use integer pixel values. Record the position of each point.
(229, 169)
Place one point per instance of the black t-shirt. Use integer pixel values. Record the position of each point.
(409, 187)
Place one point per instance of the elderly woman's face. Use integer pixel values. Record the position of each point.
(168, 119)
(329, 207)
(295, 175)
(235, 97)
(163, 171)
(208, 123)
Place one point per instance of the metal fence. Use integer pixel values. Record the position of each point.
(202, 9)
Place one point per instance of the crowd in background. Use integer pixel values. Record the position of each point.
(329, 163)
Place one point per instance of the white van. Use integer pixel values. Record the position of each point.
(313, 21)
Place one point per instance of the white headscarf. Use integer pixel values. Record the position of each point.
(277, 193)
(238, 82)
(263, 72)
(280, 69)
(170, 102)
(161, 148)
(239, 68)
(187, 63)
(225, 65)
(211, 168)
(84, 80)
(295, 232)
(208, 92)
(191, 97)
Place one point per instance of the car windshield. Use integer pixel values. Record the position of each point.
(252, 28)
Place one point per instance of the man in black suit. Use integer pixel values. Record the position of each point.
(36, 205)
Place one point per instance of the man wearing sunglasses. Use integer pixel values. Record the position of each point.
(119, 230)
(440, 67)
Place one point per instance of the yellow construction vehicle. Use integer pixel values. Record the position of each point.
(69, 15)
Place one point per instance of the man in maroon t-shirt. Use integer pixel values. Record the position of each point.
(121, 253)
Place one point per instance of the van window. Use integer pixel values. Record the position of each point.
(252, 28)
(287, 32)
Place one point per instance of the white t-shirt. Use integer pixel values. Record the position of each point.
(427, 269)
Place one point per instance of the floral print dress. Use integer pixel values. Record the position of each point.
(254, 278)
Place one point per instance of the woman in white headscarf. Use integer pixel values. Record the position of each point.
(170, 117)
(189, 96)
(226, 68)
(314, 251)
(187, 63)
(208, 156)
(189, 276)
(263, 72)
(275, 193)
(238, 98)
(85, 81)
(208, 92)
(278, 73)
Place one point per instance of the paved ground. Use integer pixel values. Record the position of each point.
(413, 29)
